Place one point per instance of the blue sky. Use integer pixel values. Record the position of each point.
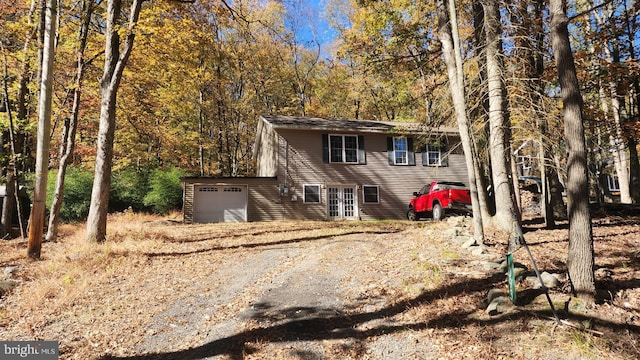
(311, 24)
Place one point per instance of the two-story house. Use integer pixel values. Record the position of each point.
(329, 169)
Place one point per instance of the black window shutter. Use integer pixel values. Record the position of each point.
(390, 150)
(325, 148)
(361, 153)
(411, 158)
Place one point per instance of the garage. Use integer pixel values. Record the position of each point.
(220, 203)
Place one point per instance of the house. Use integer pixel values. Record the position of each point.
(329, 169)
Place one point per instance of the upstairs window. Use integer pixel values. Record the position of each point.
(434, 155)
(346, 149)
(400, 151)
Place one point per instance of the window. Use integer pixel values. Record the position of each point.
(208, 189)
(343, 148)
(433, 154)
(336, 148)
(613, 183)
(371, 194)
(232, 189)
(311, 194)
(400, 151)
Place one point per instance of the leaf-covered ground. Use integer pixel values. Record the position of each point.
(159, 289)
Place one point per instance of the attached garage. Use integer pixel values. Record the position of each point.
(220, 203)
(232, 199)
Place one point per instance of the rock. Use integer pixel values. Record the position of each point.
(469, 243)
(504, 266)
(549, 280)
(499, 305)
(519, 272)
(9, 270)
(6, 286)
(477, 250)
(494, 294)
(490, 265)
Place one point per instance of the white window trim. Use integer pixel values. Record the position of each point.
(304, 194)
(364, 198)
(612, 183)
(432, 149)
(406, 152)
(344, 153)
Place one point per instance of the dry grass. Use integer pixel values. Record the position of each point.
(89, 295)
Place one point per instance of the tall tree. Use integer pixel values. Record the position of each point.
(68, 137)
(37, 219)
(114, 63)
(581, 254)
(446, 24)
(20, 153)
(507, 215)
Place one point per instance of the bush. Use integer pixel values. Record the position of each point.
(128, 189)
(77, 193)
(165, 192)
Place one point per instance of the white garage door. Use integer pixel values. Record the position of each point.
(219, 203)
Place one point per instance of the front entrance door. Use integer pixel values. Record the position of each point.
(342, 203)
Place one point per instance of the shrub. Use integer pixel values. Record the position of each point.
(165, 192)
(77, 193)
(128, 189)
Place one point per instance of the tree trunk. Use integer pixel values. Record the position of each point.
(67, 144)
(507, 217)
(453, 61)
(634, 169)
(37, 220)
(114, 64)
(580, 258)
(555, 190)
(8, 205)
(634, 113)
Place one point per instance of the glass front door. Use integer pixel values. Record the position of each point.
(342, 202)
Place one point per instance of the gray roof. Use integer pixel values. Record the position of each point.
(313, 123)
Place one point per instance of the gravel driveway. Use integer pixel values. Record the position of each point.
(309, 299)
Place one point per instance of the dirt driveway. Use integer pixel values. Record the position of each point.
(310, 297)
(304, 290)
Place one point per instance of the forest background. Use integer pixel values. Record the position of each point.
(199, 75)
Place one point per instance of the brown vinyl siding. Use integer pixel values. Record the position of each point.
(396, 182)
(289, 151)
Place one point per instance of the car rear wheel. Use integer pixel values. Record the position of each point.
(437, 212)
(411, 215)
